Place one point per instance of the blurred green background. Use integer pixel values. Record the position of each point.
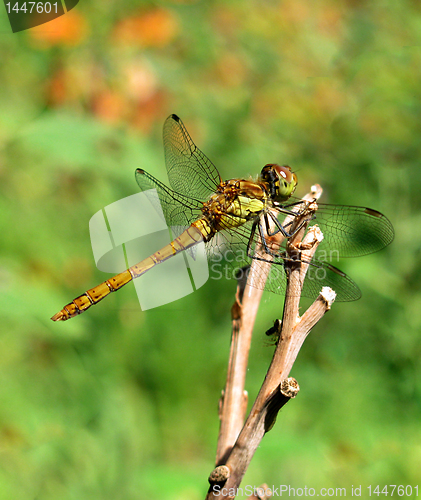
(122, 404)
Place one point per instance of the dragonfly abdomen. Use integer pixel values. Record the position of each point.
(188, 238)
(196, 233)
(92, 296)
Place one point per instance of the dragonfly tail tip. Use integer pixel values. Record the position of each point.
(58, 317)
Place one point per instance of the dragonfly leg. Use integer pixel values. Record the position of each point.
(269, 232)
(262, 235)
(252, 233)
(282, 228)
(307, 203)
(264, 241)
(284, 209)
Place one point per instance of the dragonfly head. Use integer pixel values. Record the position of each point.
(280, 181)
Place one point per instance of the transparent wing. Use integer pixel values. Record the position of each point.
(179, 211)
(320, 274)
(190, 172)
(228, 253)
(352, 231)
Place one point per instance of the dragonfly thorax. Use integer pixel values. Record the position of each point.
(280, 181)
(236, 202)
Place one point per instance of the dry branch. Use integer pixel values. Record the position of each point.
(233, 402)
(236, 452)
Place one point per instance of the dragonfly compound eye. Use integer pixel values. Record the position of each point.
(280, 180)
(287, 181)
(285, 174)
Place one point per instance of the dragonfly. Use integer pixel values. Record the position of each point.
(241, 217)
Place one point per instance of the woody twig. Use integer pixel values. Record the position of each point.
(237, 443)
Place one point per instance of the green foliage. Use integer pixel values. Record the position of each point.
(123, 404)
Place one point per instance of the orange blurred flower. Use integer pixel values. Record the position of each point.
(69, 29)
(153, 28)
(57, 88)
(110, 106)
(146, 113)
(74, 84)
